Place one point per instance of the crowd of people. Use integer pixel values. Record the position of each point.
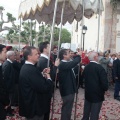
(27, 80)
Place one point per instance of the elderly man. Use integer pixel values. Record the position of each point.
(9, 77)
(96, 84)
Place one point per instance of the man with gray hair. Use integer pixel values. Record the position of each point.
(96, 84)
(9, 78)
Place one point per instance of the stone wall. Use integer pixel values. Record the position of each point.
(109, 30)
(109, 27)
(118, 29)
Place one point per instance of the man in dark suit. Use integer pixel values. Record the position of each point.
(44, 48)
(9, 77)
(96, 84)
(33, 86)
(17, 66)
(116, 72)
(67, 82)
(4, 99)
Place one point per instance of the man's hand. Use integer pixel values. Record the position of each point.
(57, 62)
(46, 73)
(46, 70)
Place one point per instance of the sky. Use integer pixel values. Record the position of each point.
(12, 6)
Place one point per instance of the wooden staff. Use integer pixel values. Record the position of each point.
(98, 26)
(57, 57)
(76, 95)
(19, 34)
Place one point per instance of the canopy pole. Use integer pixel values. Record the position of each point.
(82, 23)
(98, 26)
(76, 95)
(19, 34)
(52, 30)
(60, 28)
(57, 57)
(44, 34)
(36, 40)
(31, 32)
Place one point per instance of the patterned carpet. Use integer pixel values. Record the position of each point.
(110, 109)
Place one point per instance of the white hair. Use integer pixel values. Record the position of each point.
(92, 55)
(10, 53)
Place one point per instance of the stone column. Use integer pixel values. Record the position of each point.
(118, 29)
(109, 24)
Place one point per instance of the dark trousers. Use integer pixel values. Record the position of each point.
(2, 112)
(67, 107)
(35, 118)
(47, 115)
(12, 98)
(117, 88)
(91, 110)
(16, 96)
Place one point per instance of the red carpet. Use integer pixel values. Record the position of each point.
(109, 111)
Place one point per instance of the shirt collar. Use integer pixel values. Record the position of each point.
(43, 55)
(94, 62)
(9, 60)
(0, 64)
(27, 62)
(65, 60)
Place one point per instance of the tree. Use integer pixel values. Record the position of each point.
(25, 34)
(13, 34)
(43, 34)
(10, 18)
(65, 35)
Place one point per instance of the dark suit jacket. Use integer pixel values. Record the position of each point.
(116, 68)
(32, 88)
(9, 76)
(42, 64)
(96, 82)
(4, 99)
(17, 66)
(66, 77)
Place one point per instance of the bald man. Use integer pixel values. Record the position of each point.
(96, 84)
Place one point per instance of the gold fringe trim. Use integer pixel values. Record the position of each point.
(46, 2)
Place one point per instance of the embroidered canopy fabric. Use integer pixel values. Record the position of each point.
(43, 10)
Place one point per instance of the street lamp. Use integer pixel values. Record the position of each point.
(84, 29)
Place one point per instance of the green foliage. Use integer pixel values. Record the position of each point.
(11, 31)
(1, 8)
(44, 34)
(66, 36)
(10, 17)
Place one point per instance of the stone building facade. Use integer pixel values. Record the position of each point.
(109, 30)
